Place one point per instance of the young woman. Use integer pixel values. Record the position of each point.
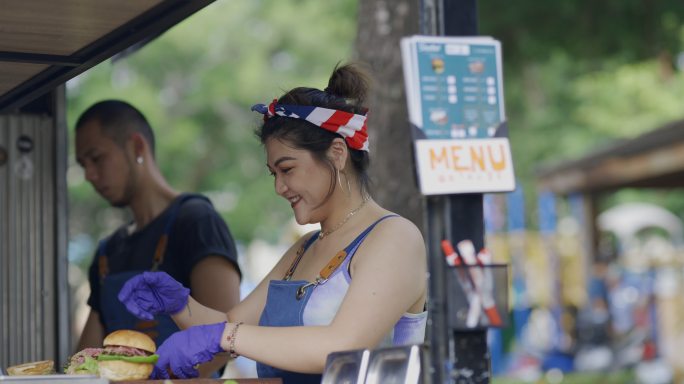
(359, 282)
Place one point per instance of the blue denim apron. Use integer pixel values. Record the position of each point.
(284, 309)
(114, 314)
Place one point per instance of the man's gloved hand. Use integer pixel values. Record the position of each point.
(184, 350)
(152, 293)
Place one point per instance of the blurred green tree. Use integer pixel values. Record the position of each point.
(581, 74)
(577, 75)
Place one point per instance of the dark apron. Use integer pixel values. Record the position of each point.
(114, 314)
(283, 309)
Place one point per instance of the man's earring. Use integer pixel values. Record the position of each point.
(139, 160)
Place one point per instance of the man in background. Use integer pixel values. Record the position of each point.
(178, 233)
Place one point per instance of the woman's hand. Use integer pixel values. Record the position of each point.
(184, 350)
(152, 293)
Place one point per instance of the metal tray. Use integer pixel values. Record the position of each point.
(53, 379)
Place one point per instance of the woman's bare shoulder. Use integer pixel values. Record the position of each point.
(394, 241)
(397, 236)
(398, 227)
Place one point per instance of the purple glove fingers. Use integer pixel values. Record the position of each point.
(184, 350)
(144, 308)
(152, 293)
(130, 294)
(170, 295)
(137, 303)
(159, 373)
(185, 372)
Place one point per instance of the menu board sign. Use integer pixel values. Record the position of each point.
(454, 92)
(464, 166)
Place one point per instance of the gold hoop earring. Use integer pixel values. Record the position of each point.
(348, 185)
(339, 182)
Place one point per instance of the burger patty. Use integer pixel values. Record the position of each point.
(80, 357)
(120, 350)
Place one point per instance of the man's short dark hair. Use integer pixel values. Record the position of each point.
(118, 120)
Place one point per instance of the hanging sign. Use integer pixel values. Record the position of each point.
(464, 166)
(454, 89)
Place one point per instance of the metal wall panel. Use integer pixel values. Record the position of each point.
(28, 313)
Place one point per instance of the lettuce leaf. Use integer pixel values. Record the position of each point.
(89, 365)
(131, 359)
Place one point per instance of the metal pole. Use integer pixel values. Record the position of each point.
(459, 18)
(456, 217)
(64, 347)
(438, 333)
(435, 220)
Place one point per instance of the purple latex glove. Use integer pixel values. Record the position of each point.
(184, 350)
(151, 293)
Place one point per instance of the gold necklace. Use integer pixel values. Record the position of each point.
(351, 213)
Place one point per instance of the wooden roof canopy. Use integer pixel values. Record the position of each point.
(44, 43)
(652, 160)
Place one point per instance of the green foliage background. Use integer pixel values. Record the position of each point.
(196, 84)
(578, 75)
(581, 74)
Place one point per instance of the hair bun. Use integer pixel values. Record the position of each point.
(350, 82)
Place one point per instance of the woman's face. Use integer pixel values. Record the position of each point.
(300, 179)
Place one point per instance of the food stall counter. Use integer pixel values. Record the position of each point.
(205, 381)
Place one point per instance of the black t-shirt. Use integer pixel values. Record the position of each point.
(198, 232)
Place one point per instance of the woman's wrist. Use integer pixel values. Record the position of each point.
(184, 318)
(229, 338)
(182, 311)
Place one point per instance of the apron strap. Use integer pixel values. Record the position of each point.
(160, 251)
(336, 260)
(102, 261)
(300, 253)
(354, 245)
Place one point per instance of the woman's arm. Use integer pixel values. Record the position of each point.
(247, 311)
(210, 272)
(389, 278)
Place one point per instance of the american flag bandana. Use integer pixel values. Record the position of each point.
(348, 125)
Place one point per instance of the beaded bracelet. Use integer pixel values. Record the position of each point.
(231, 340)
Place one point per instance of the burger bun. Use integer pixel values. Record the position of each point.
(44, 367)
(118, 370)
(128, 338)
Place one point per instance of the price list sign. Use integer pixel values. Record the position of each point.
(455, 92)
(456, 88)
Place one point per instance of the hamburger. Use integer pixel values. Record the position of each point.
(84, 362)
(44, 367)
(127, 355)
